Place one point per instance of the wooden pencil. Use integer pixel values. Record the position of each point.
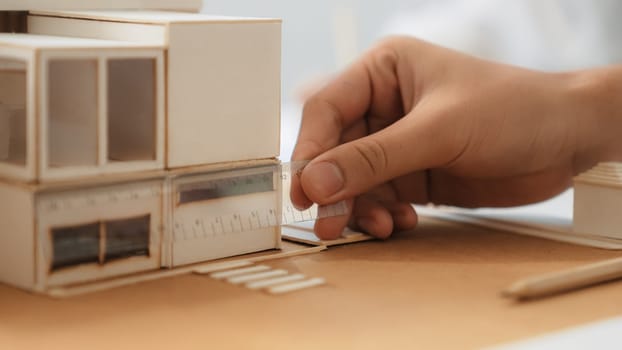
(566, 280)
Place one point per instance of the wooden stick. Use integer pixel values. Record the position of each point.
(275, 281)
(566, 280)
(294, 286)
(257, 276)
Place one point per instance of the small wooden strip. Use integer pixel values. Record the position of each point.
(292, 287)
(256, 276)
(221, 266)
(303, 251)
(303, 235)
(66, 292)
(275, 281)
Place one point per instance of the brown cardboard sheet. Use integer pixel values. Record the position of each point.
(435, 287)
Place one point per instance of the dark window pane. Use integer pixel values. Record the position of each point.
(13, 93)
(226, 187)
(75, 245)
(126, 238)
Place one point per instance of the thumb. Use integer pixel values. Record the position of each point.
(355, 167)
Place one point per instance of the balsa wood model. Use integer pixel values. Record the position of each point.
(598, 201)
(115, 127)
(124, 133)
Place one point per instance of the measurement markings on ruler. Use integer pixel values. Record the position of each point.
(241, 200)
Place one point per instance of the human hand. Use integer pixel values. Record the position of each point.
(411, 122)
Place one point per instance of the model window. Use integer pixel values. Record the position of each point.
(226, 187)
(75, 245)
(13, 112)
(126, 238)
(72, 112)
(131, 109)
(100, 242)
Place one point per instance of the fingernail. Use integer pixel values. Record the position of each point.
(325, 178)
(303, 205)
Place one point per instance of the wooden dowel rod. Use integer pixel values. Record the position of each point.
(566, 280)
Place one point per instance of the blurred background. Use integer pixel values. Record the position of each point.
(320, 37)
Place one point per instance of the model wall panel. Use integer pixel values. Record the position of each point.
(224, 92)
(62, 212)
(597, 210)
(17, 245)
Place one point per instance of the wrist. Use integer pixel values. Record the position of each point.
(595, 98)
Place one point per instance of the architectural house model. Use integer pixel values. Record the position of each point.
(130, 128)
(115, 128)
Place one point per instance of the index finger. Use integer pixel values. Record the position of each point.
(331, 110)
(326, 115)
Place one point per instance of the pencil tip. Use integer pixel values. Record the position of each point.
(507, 293)
(513, 292)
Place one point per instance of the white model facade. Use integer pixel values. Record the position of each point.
(114, 128)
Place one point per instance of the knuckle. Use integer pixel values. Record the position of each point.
(307, 149)
(382, 62)
(385, 53)
(373, 155)
(393, 41)
(316, 105)
(393, 44)
(310, 105)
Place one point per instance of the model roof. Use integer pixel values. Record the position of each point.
(153, 17)
(26, 5)
(34, 41)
